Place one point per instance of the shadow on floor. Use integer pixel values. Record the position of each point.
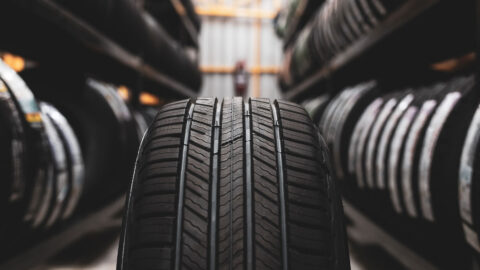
(369, 257)
(97, 251)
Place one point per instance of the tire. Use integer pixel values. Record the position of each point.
(315, 107)
(140, 124)
(12, 156)
(374, 137)
(468, 184)
(233, 185)
(108, 138)
(359, 137)
(382, 154)
(75, 165)
(397, 147)
(342, 130)
(33, 205)
(412, 151)
(135, 30)
(441, 153)
(61, 186)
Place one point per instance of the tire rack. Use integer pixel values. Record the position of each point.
(95, 54)
(368, 51)
(91, 51)
(407, 25)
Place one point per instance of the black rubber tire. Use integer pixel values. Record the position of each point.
(126, 23)
(141, 124)
(108, 138)
(365, 93)
(469, 184)
(61, 185)
(12, 157)
(396, 188)
(75, 164)
(35, 201)
(233, 185)
(315, 107)
(445, 155)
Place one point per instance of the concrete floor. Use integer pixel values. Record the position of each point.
(95, 252)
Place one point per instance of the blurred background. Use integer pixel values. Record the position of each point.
(239, 32)
(391, 84)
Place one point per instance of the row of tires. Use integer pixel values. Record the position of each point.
(62, 154)
(337, 25)
(414, 149)
(136, 30)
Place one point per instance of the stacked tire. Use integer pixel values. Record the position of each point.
(405, 151)
(66, 155)
(336, 26)
(469, 183)
(41, 160)
(137, 31)
(108, 136)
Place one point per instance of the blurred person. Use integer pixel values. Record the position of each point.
(240, 79)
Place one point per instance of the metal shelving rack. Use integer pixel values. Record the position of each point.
(398, 21)
(89, 50)
(49, 34)
(399, 18)
(360, 60)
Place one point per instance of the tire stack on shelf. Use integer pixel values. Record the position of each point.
(336, 26)
(108, 134)
(140, 33)
(389, 87)
(43, 163)
(69, 139)
(469, 182)
(405, 154)
(63, 157)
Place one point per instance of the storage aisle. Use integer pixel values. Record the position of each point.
(249, 134)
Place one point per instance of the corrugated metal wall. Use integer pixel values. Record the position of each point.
(234, 32)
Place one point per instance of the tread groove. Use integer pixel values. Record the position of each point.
(232, 121)
(214, 186)
(248, 186)
(181, 191)
(281, 183)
